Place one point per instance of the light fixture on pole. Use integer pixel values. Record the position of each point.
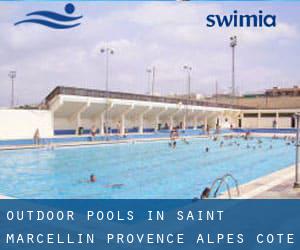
(233, 44)
(217, 91)
(188, 69)
(297, 181)
(12, 75)
(153, 72)
(107, 51)
(153, 79)
(149, 72)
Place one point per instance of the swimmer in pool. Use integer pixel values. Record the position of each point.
(185, 141)
(207, 149)
(117, 185)
(92, 178)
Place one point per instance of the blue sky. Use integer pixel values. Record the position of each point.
(167, 35)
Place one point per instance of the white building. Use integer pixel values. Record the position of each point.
(70, 109)
(74, 108)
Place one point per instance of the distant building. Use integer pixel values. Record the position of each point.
(274, 92)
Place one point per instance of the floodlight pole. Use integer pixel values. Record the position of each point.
(12, 75)
(153, 79)
(233, 44)
(297, 182)
(188, 69)
(149, 72)
(217, 91)
(107, 51)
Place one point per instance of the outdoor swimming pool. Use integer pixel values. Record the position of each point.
(147, 170)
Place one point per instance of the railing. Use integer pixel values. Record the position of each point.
(220, 182)
(130, 96)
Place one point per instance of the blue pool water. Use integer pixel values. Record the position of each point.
(147, 170)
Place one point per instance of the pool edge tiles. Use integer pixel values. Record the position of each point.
(276, 185)
(91, 143)
(130, 140)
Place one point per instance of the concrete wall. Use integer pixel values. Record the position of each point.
(64, 123)
(250, 122)
(284, 122)
(266, 122)
(22, 124)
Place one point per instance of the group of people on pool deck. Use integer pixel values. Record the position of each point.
(93, 179)
(107, 130)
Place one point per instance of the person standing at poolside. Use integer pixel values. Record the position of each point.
(119, 127)
(36, 137)
(173, 135)
(207, 129)
(93, 132)
(104, 128)
(274, 124)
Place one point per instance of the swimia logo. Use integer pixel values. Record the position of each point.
(242, 20)
(52, 19)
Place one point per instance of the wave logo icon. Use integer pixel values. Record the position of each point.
(53, 20)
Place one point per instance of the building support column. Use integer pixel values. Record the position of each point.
(184, 122)
(78, 122)
(258, 119)
(171, 122)
(142, 118)
(77, 116)
(156, 122)
(141, 124)
(205, 123)
(195, 122)
(101, 127)
(242, 119)
(157, 118)
(123, 121)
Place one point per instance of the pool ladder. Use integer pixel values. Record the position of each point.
(223, 180)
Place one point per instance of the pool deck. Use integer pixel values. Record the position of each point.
(98, 142)
(278, 185)
(131, 140)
